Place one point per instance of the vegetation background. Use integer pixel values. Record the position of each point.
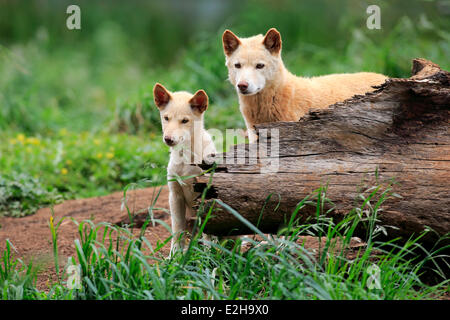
(76, 112)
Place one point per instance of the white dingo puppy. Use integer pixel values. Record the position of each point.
(183, 131)
(268, 92)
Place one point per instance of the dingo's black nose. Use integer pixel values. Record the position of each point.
(243, 86)
(169, 141)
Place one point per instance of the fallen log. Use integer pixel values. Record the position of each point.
(396, 136)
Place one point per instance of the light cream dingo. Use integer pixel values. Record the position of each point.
(268, 92)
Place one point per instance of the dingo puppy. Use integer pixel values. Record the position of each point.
(268, 92)
(183, 131)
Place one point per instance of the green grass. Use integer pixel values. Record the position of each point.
(115, 264)
(17, 279)
(22, 195)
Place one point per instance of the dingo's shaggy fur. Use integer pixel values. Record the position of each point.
(268, 92)
(183, 131)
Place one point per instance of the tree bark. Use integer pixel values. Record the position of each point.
(396, 136)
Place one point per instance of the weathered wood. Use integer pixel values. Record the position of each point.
(400, 133)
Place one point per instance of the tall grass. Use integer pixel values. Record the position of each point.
(116, 264)
(102, 77)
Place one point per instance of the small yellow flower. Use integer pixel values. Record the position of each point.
(12, 141)
(110, 155)
(63, 132)
(64, 171)
(69, 162)
(99, 155)
(97, 142)
(33, 141)
(21, 137)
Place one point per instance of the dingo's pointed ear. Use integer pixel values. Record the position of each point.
(161, 96)
(199, 102)
(272, 41)
(230, 42)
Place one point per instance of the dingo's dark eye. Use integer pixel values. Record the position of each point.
(185, 121)
(237, 65)
(166, 118)
(260, 66)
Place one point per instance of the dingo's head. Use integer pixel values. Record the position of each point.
(181, 113)
(252, 62)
